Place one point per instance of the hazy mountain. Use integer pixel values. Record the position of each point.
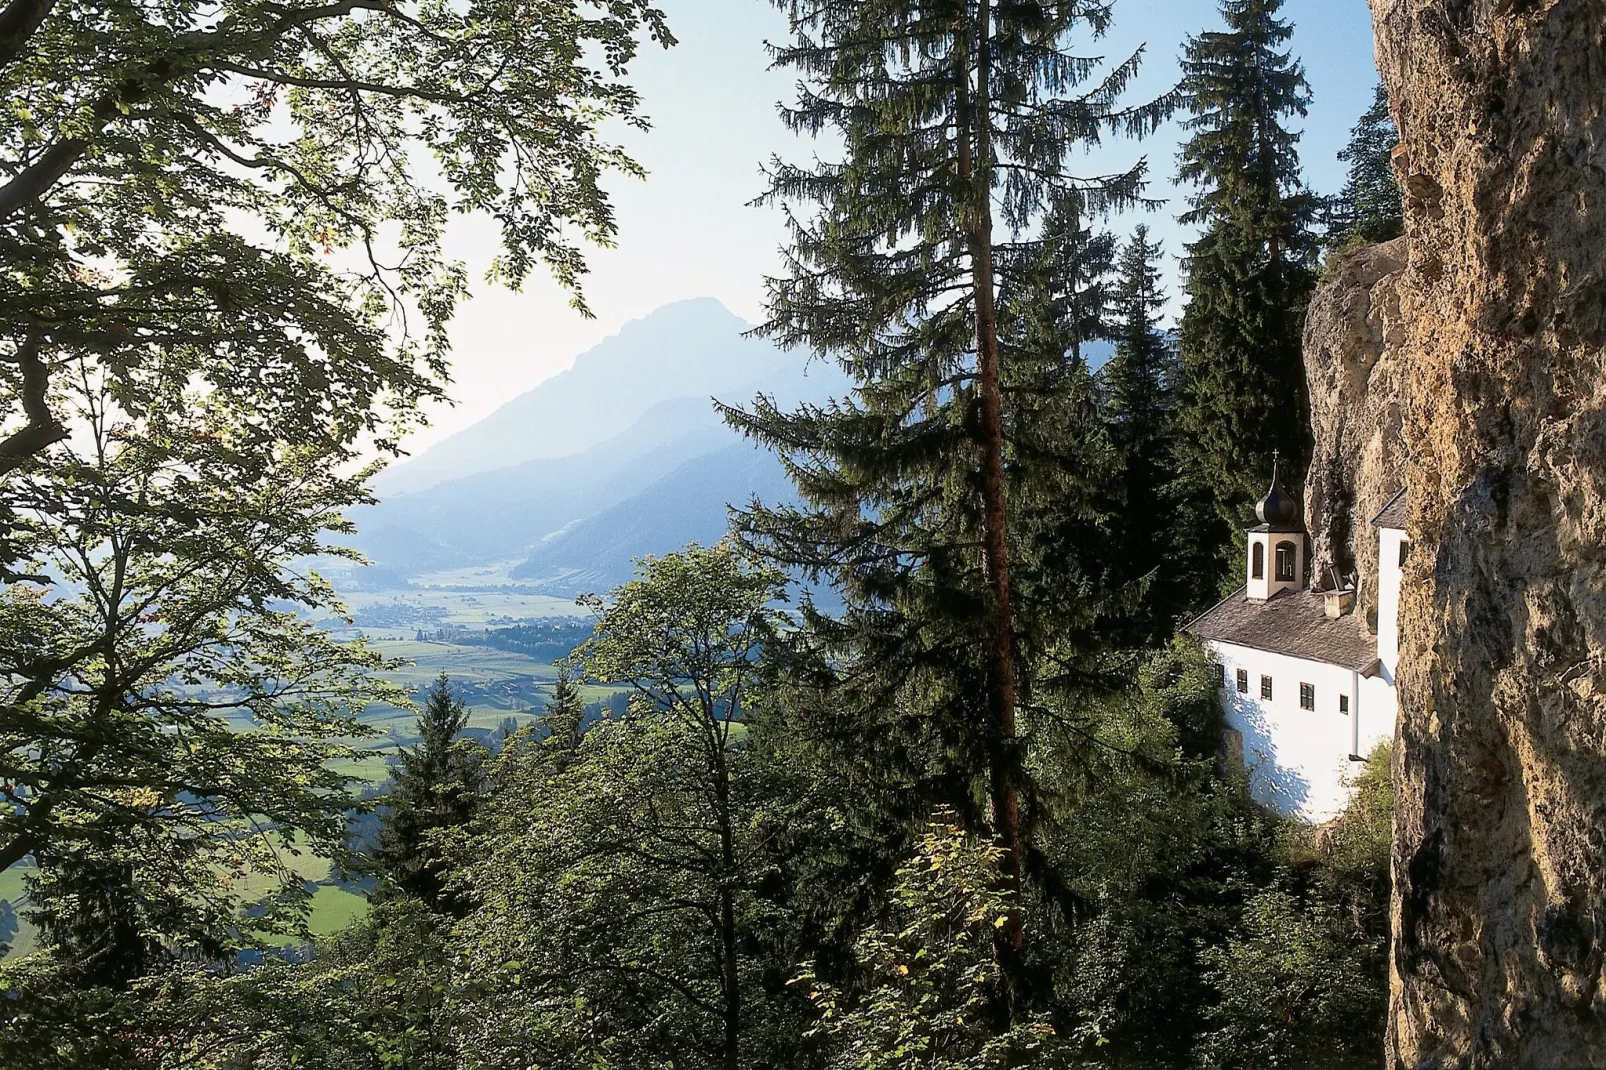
(688, 349)
(687, 505)
(505, 513)
(501, 514)
(621, 455)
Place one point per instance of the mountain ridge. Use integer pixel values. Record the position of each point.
(688, 348)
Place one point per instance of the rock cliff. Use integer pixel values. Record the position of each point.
(1353, 366)
(1499, 915)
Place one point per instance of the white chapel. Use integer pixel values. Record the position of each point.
(1307, 686)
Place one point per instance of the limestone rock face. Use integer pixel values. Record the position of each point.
(1499, 916)
(1352, 362)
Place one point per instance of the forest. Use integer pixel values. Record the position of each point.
(971, 810)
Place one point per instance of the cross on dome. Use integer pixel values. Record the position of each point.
(1276, 508)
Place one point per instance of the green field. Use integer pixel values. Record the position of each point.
(332, 908)
(472, 608)
(495, 685)
(13, 892)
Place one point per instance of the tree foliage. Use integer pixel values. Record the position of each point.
(435, 785)
(949, 267)
(929, 995)
(1293, 990)
(224, 285)
(1249, 275)
(1369, 208)
(1141, 384)
(256, 197)
(617, 893)
(974, 820)
(167, 696)
(372, 998)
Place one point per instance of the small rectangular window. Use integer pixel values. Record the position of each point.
(1221, 674)
(1343, 704)
(1405, 551)
(1307, 696)
(1265, 687)
(1243, 681)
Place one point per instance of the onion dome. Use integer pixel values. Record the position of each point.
(1276, 508)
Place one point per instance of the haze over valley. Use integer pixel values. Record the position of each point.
(621, 455)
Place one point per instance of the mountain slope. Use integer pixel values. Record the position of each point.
(688, 505)
(688, 349)
(501, 514)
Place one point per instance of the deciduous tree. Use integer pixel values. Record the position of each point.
(168, 697)
(222, 285)
(617, 896)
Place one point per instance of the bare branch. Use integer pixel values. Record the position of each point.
(18, 21)
(42, 429)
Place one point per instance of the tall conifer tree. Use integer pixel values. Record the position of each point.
(437, 784)
(942, 271)
(1369, 209)
(1249, 274)
(1140, 387)
(564, 718)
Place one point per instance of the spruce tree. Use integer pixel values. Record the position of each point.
(564, 719)
(1249, 276)
(928, 271)
(436, 784)
(1369, 208)
(91, 913)
(1140, 388)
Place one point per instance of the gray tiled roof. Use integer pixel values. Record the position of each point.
(1392, 515)
(1293, 623)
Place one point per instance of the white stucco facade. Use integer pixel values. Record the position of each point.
(1391, 547)
(1330, 681)
(1298, 759)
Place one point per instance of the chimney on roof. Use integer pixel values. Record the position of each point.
(1338, 595)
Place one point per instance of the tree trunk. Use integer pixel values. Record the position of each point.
(730, 976)
(1499, 912)
(989, 395)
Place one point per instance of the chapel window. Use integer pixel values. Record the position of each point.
(1257, 569)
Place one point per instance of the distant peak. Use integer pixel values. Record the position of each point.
(692, 308)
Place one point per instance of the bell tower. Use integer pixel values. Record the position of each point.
(1276, 546)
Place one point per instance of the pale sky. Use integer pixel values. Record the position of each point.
(687, 231)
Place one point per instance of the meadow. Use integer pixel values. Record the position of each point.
(498, 686)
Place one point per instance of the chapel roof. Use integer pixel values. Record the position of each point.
(1393, 513)
(1290, 622)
